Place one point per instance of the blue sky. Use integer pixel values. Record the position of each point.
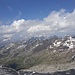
(26, 18)
(31, 9)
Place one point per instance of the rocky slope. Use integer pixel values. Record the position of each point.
(9, 71)
(38, 51)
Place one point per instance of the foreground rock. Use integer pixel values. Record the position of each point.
(9, 71)
(68, 72)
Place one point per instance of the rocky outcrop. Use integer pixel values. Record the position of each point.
(68, 72)
(9, 71)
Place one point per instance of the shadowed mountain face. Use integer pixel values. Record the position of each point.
(38, 50)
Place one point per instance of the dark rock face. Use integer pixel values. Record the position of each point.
(7, 71)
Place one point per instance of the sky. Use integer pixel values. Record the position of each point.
(31, 9)
(21, 18)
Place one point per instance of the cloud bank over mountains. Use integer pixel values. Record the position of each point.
(56, 23)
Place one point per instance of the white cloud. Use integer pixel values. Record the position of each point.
(8, 35)
(17, 24)
(38, 28)
(57, 22)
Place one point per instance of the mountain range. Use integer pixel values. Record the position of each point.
(35, 51)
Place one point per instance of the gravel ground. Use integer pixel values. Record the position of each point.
(53, 68)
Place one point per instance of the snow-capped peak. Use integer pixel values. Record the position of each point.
(67, 41)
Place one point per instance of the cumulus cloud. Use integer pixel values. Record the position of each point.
(38, 28)
(57, 22)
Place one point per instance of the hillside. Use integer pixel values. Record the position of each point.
(39, 51)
